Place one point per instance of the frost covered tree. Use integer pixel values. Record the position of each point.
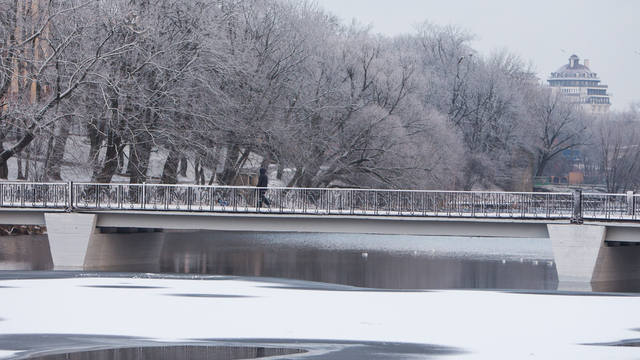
(556, 126)
(484, 98)
(615, 150)
(50, 50)
(225, 84)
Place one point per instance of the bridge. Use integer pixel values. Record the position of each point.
(595, 237)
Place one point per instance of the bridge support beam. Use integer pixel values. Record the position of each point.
(582, 255)
(76, 244)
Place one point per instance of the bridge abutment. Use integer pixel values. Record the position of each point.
(69, 237)
(583, 256)
(76, 244)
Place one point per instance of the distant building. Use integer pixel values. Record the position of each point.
(581, 86)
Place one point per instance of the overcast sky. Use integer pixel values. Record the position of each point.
(544, 32)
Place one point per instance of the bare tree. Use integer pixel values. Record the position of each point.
(617, 141)
(239, 83)
(484, 98)
(57, 46)
(557, 126)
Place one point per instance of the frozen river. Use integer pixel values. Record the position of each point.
(305, 296)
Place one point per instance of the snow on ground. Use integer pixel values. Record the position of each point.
(483, 324)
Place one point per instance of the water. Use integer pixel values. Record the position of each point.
(175, 352)
(376, 261)
(25, 252)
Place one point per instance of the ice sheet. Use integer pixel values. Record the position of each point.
(485, 324)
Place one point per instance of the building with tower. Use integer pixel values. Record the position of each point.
(581, 86)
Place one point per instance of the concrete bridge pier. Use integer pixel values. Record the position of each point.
(77, 244)
(583, 256)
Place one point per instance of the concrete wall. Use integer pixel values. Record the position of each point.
(582, 254)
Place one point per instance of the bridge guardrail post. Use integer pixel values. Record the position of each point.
(630, 203)
(70, 196)
(234, 199)
(119, 196)
(576, 217)
(210, 196)
(166, 197)
(144, 195)
(189, 198)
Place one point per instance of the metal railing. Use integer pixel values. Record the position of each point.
(323, 201)
(34, 195)
(611, 206)
(157, 197)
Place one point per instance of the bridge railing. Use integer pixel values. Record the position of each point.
(34, 195)
(322, 201)
(610, 206)
(88, 196)
(420, 203)
(163, 197)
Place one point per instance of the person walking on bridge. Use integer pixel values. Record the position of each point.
(263, 182)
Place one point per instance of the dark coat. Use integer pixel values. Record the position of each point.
(263, 180)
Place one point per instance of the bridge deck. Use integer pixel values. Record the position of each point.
(582, 253)
(30, 199)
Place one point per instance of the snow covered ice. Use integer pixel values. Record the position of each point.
(463, 324)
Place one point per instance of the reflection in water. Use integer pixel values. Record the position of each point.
(25, 252)
(396, 262)
(375, 261)
(631, 286)
(175, 352)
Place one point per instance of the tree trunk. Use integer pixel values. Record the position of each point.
(26, 165)
(230, 171)
(280, 170)
(542, 163)
(301, 178)
(17, 148)
(214, 167)
(48, 153)
(183, 165)
(139, 157)
(110, 165)
(212, 161)
(20, 174)
(114, 146)
(199, 171)
(56, 156)
(170, 170)
(95, 141)
(4, 169)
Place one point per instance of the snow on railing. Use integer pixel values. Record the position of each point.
(610, 206)
(42, 195)
(159, 197)
(322, 201)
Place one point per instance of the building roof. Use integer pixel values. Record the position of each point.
(574, 70)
